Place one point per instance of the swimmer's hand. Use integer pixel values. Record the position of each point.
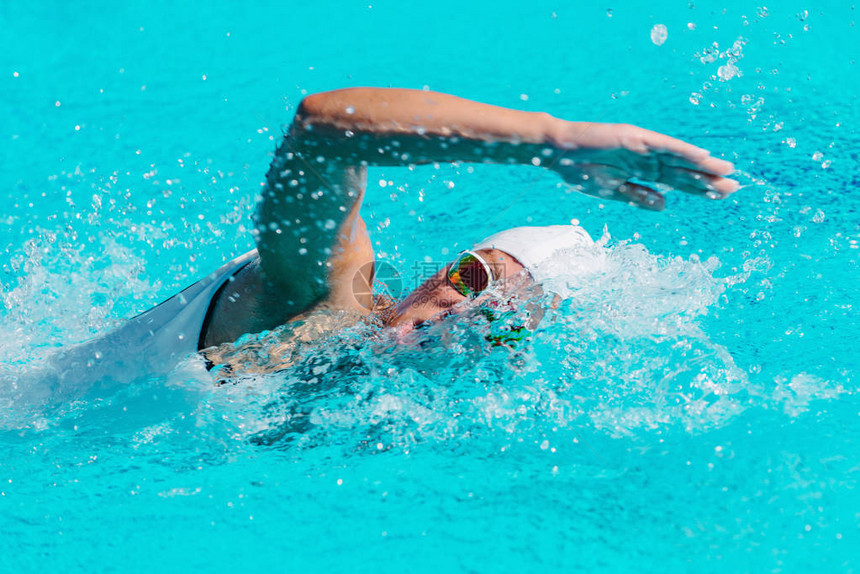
(627, 163)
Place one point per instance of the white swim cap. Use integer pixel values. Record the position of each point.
(531, 246)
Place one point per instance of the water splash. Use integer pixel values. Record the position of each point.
(623, 349)
(63, 295)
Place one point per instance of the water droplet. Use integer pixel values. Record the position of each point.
(817, 156)
(762, 12)
(330, 224)
(727, 72)
(303, 251)
(710, 54)
(350, 110)
(691, 26)
(659, 33)
(818, 217)
(609, 12)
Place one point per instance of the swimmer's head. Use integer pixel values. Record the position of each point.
(513, 258)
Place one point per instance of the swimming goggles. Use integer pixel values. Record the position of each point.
(470, 275)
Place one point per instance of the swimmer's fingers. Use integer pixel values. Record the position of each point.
(697, 182)
(708, 164)
(640, 196)
(609, 182)
(607, 144)
(675, 152)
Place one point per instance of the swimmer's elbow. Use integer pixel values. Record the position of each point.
(311, 107)
(319, 108)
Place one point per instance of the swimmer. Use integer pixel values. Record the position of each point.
(313, 251)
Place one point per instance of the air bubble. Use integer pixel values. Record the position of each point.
(710, 54)
(659, 33)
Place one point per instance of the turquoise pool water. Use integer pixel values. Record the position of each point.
(693, 407)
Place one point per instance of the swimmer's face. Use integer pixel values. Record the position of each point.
(437, 297)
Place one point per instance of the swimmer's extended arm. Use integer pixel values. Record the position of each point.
(312, 241)
(373, 126)
(318, 175)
